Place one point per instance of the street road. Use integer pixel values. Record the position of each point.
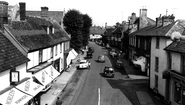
(97, 89)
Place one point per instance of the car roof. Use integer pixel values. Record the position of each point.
(83, 60)
(109, 68)
(119, 61)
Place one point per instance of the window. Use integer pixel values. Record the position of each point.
(56, 50)
(51, 52)
(183, 64)
(156, 64)
(40, 56)
(170, 61)
(60, 47)
(145, 45)
(156, 81)
(138, 43)
(157, 43)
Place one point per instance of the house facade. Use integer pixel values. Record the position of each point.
(42, 43)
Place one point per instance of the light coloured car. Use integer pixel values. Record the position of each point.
(101, 58)
(83, 64)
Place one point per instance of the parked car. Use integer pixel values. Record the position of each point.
(113, 53)
(83, 64)
(91, 49)
(119, 64)
(101, 58)
(108, 72)
(89, 54)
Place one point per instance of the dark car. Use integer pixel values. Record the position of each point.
(89, 54)
(108, 72)
(119, 64)
(91, 49)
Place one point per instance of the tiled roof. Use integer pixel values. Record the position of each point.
(118, 30)
(57, 15)
(34, 39)
(96, 30)
(10, 56)
(176, 46)
(153, 30)
(39, 21)
(108, 31)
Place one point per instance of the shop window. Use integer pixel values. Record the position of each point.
(157, 43)
(40, 56)
(156, 64)
(177, 92)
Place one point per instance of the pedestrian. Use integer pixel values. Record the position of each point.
(58, 101)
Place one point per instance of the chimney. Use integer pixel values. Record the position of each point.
(143, 12)
(105, 25)
(166, 20)
(3, 13)
(44, 11)
(159, 21)
(133, 18)
(22, 10)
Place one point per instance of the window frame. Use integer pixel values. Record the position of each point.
(40, 56)
(157, 64)
(157, 42)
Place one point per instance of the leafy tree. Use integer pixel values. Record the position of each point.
(73, 22)
(87, 23)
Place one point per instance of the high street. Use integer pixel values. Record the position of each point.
(90, 87)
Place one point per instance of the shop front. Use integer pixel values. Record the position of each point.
(177, 87)
(14, 96)
(43, 74)
(69, 56)
(32, 87)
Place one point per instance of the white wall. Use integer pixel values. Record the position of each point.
(34, 59)
(4, 79)
(162, 55)
(176, 62)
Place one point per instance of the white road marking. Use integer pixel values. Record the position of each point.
(98, 96)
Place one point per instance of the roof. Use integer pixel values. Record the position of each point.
(33, 37)
(108, 32)
(176, 46)
(10, 56)
(96, 30)
(118, 30)
(57, 15)
(152, 30)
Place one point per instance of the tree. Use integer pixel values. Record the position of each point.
(73, 22)
(87, 23)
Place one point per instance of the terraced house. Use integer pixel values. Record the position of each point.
(40, 44)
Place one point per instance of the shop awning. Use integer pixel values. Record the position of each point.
(52, 72)
(72, 55)
(14, 97)
(74, 52)
(30, 87)
(43, 77)
(140, 61)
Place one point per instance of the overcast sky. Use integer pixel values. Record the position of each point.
(110, 11)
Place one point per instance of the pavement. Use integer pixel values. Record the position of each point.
(50, 97)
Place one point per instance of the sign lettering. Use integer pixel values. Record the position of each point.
(43, 77)
(10, 97)
(27, 86)
(22, 98)
(35, 88)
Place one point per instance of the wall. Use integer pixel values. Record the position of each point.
(162, 54)
(4, 79)
(34, 59)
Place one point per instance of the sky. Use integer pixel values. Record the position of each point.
(110, 11)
